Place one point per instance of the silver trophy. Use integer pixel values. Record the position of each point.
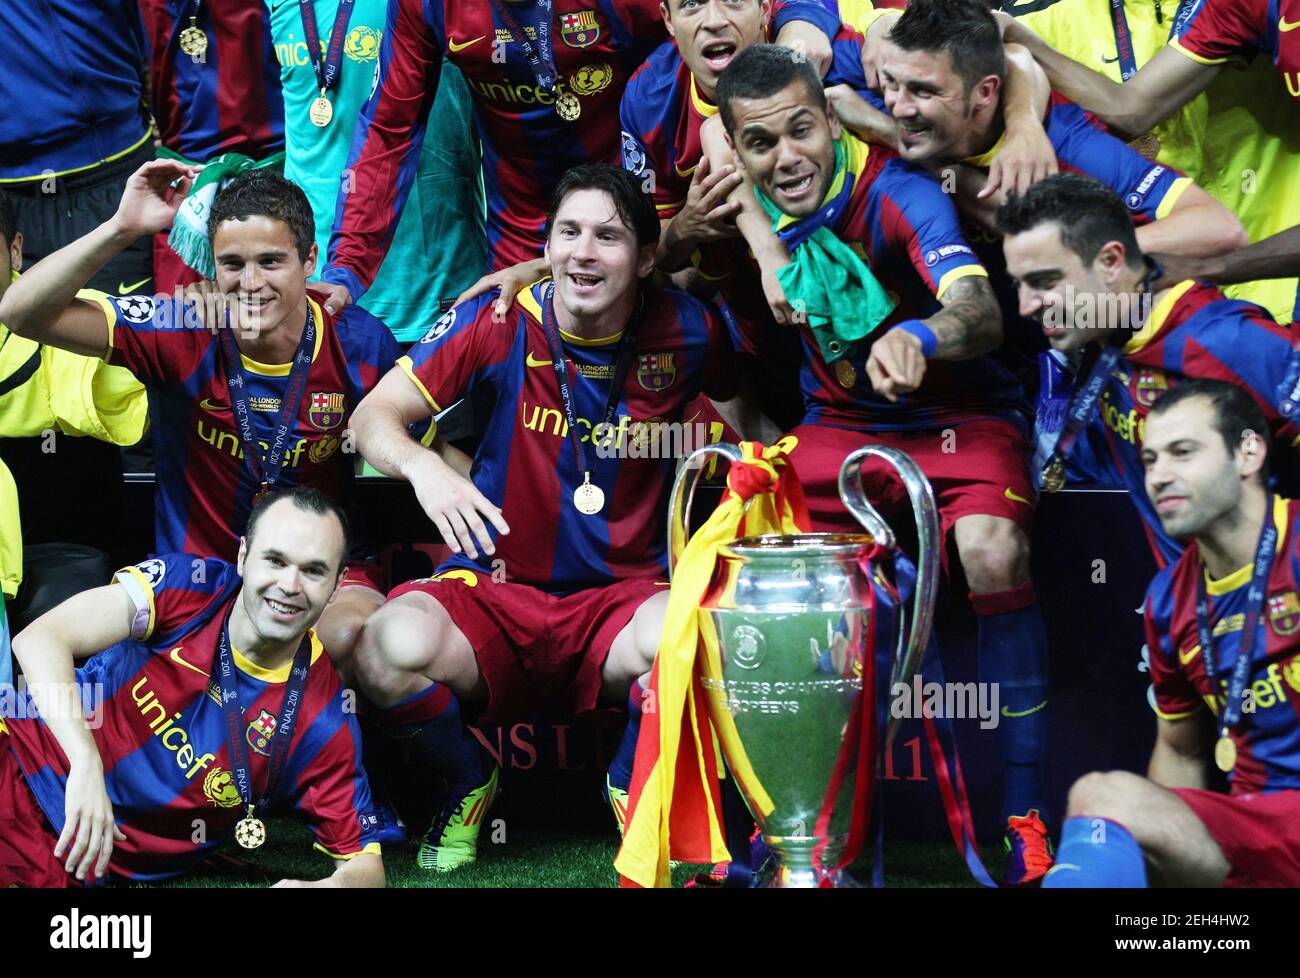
(784, 632)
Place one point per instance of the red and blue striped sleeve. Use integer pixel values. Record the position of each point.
(156, 338)
(385, 148)
(1175, 696)
(174, 592)
(810, 11)
(461, 345)
(1220, 30)
(647, 151)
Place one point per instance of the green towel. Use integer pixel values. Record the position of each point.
(826, 280)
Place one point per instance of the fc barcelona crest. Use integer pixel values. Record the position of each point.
(326, 410)
(1284, 613)
(259, 733)
(580, 30)
(1150, 385)
(656, 371)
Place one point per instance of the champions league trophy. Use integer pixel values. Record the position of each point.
(786, 643)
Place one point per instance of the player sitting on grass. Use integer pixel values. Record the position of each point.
(565, 600)
(210, 702)
(1222, 624)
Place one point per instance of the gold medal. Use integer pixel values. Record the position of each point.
(321, 111)
(193, 41)
(250, 832)
(567, 107)
(846, 374)
(1225, 754)
(1054, 476)
(588, 499)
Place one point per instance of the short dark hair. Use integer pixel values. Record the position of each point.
(634, 206)
(1235, 412)
(1088, 212)
(8, 218)
(264, 193)
(761, 71)
(309, 501)
(964, 28)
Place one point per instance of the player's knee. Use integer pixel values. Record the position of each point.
(996, 559)
(341, 625)
(395, 642)
(1114, 795)
(649, 628)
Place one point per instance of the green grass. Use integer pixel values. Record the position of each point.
(525, 858)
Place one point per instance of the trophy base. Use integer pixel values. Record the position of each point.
(806, 878)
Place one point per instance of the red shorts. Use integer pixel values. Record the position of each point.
(365, 573)
(983, 472)
(1259, 834)
(26, 839)
(533, 647)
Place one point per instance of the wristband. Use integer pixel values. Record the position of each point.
(929, 342)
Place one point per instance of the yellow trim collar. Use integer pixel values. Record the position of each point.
(528, 299)
(279, 674)
(282, 369)
(699, 103)
(1157, 320)
(1241, 576)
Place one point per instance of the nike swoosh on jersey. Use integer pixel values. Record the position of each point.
(451, 43)
(129, 289)
(1014, 498)
(207, 405)
(532, 361)
(175, 657)
(1285, 28)
(1187, 657)
(1012, 714)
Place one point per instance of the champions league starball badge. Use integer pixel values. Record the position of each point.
(193, 41)
(250, 832)
(567, 107)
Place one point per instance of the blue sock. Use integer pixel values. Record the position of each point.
(431, 720)
(620, 769)
(1013, 654)
(1096, 852)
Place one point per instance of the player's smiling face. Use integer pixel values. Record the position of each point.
(1055, 288)
(786, 143)
(1191, 477)
(595, 261)
(930, 105)
(710, 33)
(290, 567)
(259, 269)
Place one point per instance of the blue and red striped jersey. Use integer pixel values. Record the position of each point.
(155, 709)
(525, 464)
(228, 101)
(1194, 331)
(1222, 30)
(662, 111)
(527, 147)
(204, 490)
(1268, 737)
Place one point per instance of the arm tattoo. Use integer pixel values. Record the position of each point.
(970, 322)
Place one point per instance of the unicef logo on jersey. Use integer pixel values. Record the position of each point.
(633, 157)
(136, 308)
(447, 320)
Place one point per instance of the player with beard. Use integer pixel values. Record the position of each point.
(1222, 625)
(212, 703)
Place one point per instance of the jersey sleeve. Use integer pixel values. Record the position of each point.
(174, 592)
(1150, 190)
(385, 151)
(465, 342)
(330, 791)
(1220, 30)
(718, 380)
(157, 339)
(1175, 697)
(810, 11)
(917, 219)
(644, 151)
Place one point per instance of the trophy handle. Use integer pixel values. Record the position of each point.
(908, 655)
(682, 499)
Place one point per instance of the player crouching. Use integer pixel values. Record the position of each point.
(211, 702)
(565, 602)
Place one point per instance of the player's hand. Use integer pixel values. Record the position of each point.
(88, 828)
(336, 296)
(707, 214)
(302, 884)
(510, 281)
(455, 506)
(782, 311)
(808, 40)
(861, 116)
(1176, 268)
(153, 195)
(1026, 157)
(873, 47)
(896, 364)
(1013, 31)
(209, 304)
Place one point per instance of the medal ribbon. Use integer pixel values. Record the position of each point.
(286, 719)
(1124, 37)
(626, 351)
(1264, 552)
(327, 74)
(540, 56)
(267, 472)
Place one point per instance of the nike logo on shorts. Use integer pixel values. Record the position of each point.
(455, 48)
